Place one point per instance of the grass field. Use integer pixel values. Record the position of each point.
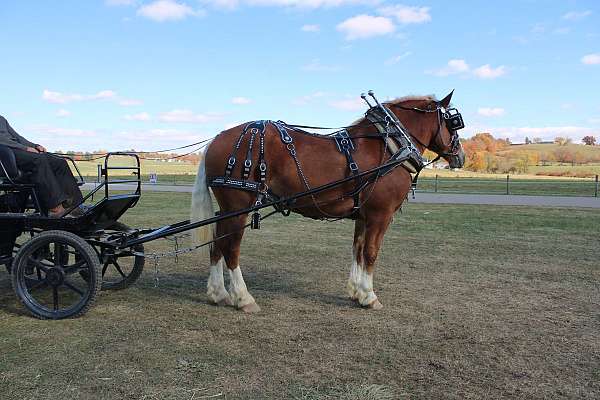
(480, 302)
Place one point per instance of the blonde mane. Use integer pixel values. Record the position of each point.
(400, 100)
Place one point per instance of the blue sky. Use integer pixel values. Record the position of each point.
(146, 74)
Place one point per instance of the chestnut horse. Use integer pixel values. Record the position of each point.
(319, 163)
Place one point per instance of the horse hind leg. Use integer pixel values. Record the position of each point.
(215, 287)
(230, 248)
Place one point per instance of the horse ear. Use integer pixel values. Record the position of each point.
(445, 102)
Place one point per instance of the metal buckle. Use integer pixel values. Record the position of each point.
(248, 163)
(353, 166)
(231, 161)
(263, 167)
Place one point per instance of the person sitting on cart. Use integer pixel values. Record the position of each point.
(56, 187)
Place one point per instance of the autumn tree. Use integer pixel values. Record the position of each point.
(589, 140)
(561, 141)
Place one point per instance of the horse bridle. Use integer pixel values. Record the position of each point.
(453, 120)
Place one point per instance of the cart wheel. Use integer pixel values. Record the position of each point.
(122, 270)
(46, 275)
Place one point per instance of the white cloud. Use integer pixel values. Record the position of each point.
(591, 59)
(310, 4)
(63, 98)
(398, 58)
(487, 72)
(406, 14)
(456, 66)
(366, 26)
(143, 116)
(63, 113)
(491, 111)
(107, 95)
(167, 10)
(576, 15)
(460, 66)
(188, 116)
(60, 98)
(310, 28)
(316, 66)
(241, 100)
(349, 104)
(304, 100)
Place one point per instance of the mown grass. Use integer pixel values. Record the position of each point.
(480, 302)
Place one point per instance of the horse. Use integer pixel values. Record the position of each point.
(313, 160)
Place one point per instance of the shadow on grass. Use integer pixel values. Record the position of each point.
(261, 283)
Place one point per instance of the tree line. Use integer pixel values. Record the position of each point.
(484, 153)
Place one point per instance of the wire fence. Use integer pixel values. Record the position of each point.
(510, 185)
(505, 185)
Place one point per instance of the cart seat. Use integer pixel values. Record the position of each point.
(9, 173)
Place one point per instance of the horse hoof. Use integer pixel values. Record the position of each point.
(225, 302)
(251, 308)
(375, 305)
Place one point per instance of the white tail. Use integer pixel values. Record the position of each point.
(202, 208)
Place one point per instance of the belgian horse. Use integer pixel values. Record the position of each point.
(321, 163)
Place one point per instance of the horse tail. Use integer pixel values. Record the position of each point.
(202, 208)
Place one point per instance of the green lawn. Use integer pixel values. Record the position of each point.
(480, 302)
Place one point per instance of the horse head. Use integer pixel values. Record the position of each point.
(434, 125)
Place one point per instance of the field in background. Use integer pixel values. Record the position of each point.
(459, 181)
(480, 302)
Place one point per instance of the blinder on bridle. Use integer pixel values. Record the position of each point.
(454, 122)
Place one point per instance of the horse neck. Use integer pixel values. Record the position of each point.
(418, 129)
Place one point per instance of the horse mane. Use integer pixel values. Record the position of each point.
(400, 100)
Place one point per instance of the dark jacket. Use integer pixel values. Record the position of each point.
(10, 138)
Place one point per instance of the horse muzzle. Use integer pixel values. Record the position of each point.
(456, 160)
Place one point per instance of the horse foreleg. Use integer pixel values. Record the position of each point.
(375, 229)
(357, 259)
(230, 247)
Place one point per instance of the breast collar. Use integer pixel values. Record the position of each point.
(396, 136)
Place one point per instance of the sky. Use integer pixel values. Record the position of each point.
(153, 74)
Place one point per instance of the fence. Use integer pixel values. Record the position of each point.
(440, 184)
(510, 185)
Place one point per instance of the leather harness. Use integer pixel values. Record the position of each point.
(396, 138)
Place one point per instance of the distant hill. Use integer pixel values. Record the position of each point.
(488, 154)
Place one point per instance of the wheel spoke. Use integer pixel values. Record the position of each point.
(118, 268)
(38, 264)
(55, 297)
(73, 287)
(58, 254)
(33, 284)
(71, 269)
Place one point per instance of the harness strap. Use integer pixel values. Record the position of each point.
(255, 127)
(262, 165)
(346, 147)
(232, 160)
(281, 128)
